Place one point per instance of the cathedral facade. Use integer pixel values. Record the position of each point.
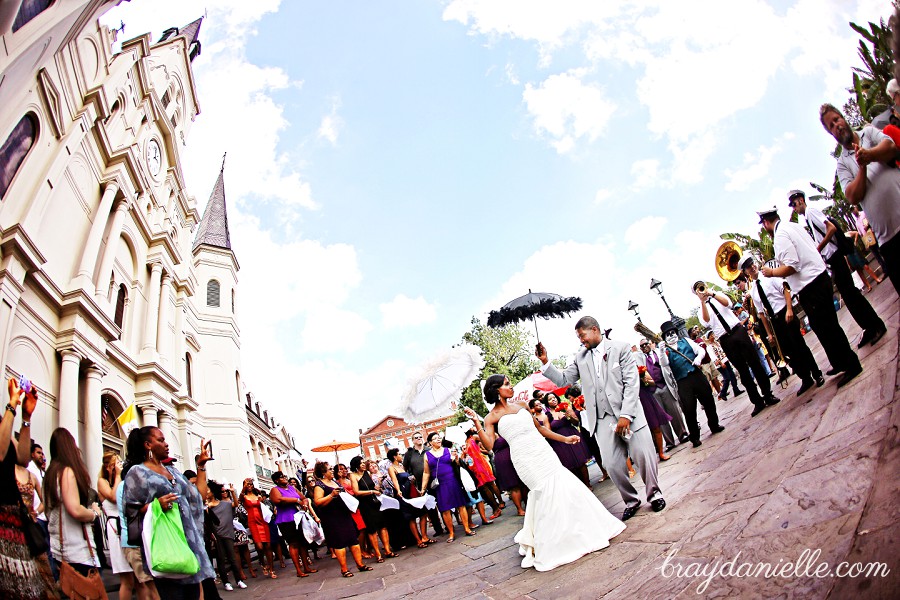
(113, 288)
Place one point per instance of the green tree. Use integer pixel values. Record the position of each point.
(868, 97)
(507, 350)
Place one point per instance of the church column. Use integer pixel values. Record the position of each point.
(165, 425)
(68, 391)
(149, 413)
(109, 253)
(163, 347)
(85, 275)
(178, 358)
(152, 314)
(92, 443)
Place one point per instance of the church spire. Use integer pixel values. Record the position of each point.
(213, 229)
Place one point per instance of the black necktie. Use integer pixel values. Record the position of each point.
(712, 305)
(765, 300)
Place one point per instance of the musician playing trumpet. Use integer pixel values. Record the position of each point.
(716, 313)
(774, 294)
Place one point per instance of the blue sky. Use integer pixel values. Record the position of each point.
(395, 168)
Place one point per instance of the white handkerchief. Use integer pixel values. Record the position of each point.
(388, 503)
(427, 502)
(614, 365)
(351, 502)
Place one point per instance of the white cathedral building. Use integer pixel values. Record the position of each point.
(113, 289)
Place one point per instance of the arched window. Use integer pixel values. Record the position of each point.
(29, 10)
(212, 293)
(187, 374)
(15, 149)
(237, 383)
(121, 299)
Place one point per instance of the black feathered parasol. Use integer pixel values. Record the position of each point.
(531, 305)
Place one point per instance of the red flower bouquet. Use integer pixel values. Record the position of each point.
(578, 403)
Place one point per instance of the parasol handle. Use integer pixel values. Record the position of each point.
(536, 329)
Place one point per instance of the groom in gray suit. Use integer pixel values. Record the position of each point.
(612, 410)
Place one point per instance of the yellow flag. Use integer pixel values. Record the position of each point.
(128, 420)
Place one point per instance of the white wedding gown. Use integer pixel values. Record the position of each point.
(563, 519)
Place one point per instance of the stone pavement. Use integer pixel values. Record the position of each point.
(817, 472)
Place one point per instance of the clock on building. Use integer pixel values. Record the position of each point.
(390, 422)
(154, 157)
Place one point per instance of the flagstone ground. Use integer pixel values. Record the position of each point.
(812, 473)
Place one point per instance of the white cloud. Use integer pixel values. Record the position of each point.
(644, 232)
(330, 329)
(756, 165)
(645, 174)
(696, 63)
(567, 109)
(602, 196)
(331, 123)
(406, 312)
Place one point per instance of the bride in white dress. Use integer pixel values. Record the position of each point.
(563, 519)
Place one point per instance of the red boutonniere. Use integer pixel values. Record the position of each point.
(578, 403)
(642, 375)
(605, 354)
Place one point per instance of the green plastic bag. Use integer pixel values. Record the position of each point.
(168, 548)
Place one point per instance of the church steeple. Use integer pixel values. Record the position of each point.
(191, 33)
(213, 229)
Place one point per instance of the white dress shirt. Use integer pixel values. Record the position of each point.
(794, 248)
(773, 287)
(818, 225)
(714, 323)
(33, 468)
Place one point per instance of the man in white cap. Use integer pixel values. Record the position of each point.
(774, 295)
(834, 248)
(803, 268)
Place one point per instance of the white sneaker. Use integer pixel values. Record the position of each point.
(228, 587)
(242, 585)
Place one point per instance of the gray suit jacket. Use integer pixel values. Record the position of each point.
(621, 375)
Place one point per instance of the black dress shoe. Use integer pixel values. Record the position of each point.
(629, 512)
(757, 408)
(697, 444)
(738, 392)
(684, 438)
(717, 429)
(867, 336)
(834, 371)
(658, 504)
(805, 385)
(848, 376)
(771, 400)
(820, 380)
(877, 336)
(670, 447)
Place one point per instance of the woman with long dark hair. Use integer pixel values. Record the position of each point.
(258, 527)
(553, 533)
(67, 486)
(220, 506)
(108, 482)
(337, 522)
(148, 479)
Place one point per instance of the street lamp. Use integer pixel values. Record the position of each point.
(633, 307)
(677, 321)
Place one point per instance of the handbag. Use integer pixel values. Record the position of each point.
(434, 483)
(869, 239)
(34, 535)
(73, 584)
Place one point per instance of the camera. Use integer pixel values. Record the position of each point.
(25, 384)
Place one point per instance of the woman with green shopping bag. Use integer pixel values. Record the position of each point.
(146, 479)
